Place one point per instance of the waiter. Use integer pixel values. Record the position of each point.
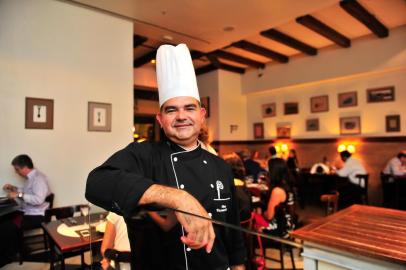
(175, 173)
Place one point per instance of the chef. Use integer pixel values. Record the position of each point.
(174, 173)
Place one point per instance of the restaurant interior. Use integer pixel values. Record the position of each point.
(318, 77)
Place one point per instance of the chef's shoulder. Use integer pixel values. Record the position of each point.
(219, 163)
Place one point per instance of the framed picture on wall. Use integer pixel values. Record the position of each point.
(393, 123)
(283, 130)
(258, 130)
(39, 113)
(99, 116)
(381, 94)
(291, 108)
(205, 102)
(319, 104)
(269, 110)
(312, 124)
(350, 125)
(348, 99)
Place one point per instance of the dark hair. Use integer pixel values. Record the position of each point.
(319, 169)
(22, 161)
(272, 150)
(345, 154)
(279, 175)
(236, 165)
(401, 155)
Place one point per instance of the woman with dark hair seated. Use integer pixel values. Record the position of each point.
(280, 210)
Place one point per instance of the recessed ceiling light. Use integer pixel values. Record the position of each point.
(228, 28)
(167, 37)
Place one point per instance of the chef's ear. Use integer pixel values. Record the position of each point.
(159, 119)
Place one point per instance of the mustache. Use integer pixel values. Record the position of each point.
(182, 122)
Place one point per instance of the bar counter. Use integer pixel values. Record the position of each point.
(358, 237)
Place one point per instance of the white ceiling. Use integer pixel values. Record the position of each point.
(200, 23)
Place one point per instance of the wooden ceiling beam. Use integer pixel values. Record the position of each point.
(251, 47)
(138, 40)
(289, 41)
(232, 68)
(321, 28)
(205, 69)
(144, 59)
(238, 59)
(356, 10)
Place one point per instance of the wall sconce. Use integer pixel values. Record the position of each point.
(349, 147)
(282, 149)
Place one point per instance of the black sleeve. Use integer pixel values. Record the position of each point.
(237, 253)
(119, 183)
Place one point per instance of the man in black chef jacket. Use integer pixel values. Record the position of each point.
(174, 173)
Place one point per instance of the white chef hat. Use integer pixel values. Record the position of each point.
(175, 73)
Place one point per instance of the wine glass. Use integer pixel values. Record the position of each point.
(85, 212)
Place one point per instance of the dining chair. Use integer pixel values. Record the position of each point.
(363, 178)
(117, 256)
(331, 201)
(33, 240)
(58, 214)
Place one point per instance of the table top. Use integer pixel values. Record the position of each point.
(66, 243)
(365, 230)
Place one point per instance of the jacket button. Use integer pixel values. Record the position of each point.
(204, 161)
(175, 159)
(188, 249)
(182, 186)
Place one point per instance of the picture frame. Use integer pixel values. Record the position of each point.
(312, 124)
(382, 94)
(319, 104)
(350, 125)
(39, 113)
(283, 131)
(291, 108)
(347, 99)
(393, 123)
(258, 130)
(269, 110)
(99, 116)
(205, 103)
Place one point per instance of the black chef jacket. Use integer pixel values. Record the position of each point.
(118, 184)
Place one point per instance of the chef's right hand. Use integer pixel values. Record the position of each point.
(199, 232)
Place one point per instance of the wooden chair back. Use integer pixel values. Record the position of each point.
(62, 212)
(50, 200)
(331, 201)
(363, 178)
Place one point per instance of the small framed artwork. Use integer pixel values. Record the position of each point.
(258, 130)
(283, 131)
(381, 94)
(350, 125)
(269, 110)
(99, 116)
(312, 124)
(319, 104)
(39, 113)
(347, 99)
(205, 102)
(291, 108)
(393, 123)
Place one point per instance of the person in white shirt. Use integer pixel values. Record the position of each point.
(32, 196)
(115, 237)
(396, 166)
(351, 168)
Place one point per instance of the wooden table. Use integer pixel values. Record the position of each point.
(358, 237)
(63, 245)
(8, 206)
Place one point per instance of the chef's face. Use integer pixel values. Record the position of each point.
(181, 118)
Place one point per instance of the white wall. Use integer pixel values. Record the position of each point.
(372, 114)
(50, 49)
(208, 86)
(369, 63)
(232, 107)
